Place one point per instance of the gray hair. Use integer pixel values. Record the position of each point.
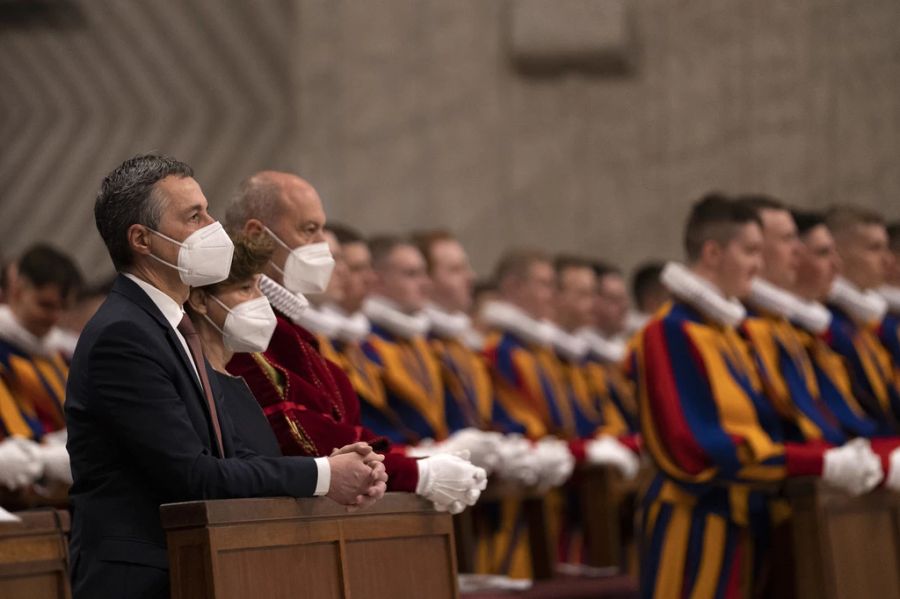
(257, 197)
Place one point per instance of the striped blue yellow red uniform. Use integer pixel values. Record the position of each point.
(872, 374)
(889, 334)
(528, 386)
(836, 388)
(468, 392)
(414, 390)
(706, 518)
(789, 379)
(32, 392)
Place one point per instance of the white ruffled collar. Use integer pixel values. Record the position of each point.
(319, 321)
(570, 347)
(450, 325)
(863, 306)
(507, 317)
(290, 304)
(812, 316)
(473, 339)
(353, 327)
(891, 293)
(607, 350)
(702, 295)
(385, 313)
(17, 335)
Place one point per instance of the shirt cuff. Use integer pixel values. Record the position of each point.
(323, 480)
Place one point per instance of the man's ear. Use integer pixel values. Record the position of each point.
(197, 301)
(711, 253)
(253, 227)
(139, 239)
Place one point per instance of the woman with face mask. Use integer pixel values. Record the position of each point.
(234, 316)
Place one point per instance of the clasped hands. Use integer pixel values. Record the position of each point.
(358, 477)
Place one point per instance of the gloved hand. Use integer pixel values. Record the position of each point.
(608, 450)
(853, 467)
(20, 462)
(892, 480)
(517, 461)
(555, 461)
(483, 447)
(59, 437)
(55, 460)
(450, 482)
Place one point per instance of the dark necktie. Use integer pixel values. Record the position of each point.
(186, 328)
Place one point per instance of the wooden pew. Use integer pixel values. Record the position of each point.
(844, 547)
(34, 556)
(292, 548)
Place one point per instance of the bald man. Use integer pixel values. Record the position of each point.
(308, 399)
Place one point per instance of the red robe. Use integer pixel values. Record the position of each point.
(310, 402)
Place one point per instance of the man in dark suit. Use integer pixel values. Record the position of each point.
(145, 415)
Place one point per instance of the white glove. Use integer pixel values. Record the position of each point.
(608, 450)
(483, 447)
(55, 460)
(554, 460)
(517, 461)
(853, 467)
(892, 480)
(59, 437)
(450, 482)
(8, 517)
(20, 462)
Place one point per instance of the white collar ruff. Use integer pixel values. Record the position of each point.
(607, 350)
(702, 295)
(891, 293)
(507, 317)
(812, 316)
(290, 304)
(353, 328)
(571, 347)
(863, 306)
(13, 332)
(450, 325)
(385, 313)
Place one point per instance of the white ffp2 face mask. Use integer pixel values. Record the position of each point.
(204, 257)
(308, 268)
(248, 327)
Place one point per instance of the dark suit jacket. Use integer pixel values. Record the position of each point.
(140, 435)
(250, 423)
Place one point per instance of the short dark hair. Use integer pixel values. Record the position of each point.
(42, 266)
(345, 233)
(759, 202)
(842, 218)
(645, 281)
(565, 262)
(604, 269)
(893, 230)
(715, 217)
(382, 246)
(127, 197)
(807, 220)
(518, 262)
(426, 240)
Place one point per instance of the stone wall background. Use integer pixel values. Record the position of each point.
(410, 113)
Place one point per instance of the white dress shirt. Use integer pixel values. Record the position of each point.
(173, 313)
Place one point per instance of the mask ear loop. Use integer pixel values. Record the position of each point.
(279, 242)
(160, 260)
(210, 320)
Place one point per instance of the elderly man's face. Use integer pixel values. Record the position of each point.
(184, 210)
(404, 278)
(301, 219)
